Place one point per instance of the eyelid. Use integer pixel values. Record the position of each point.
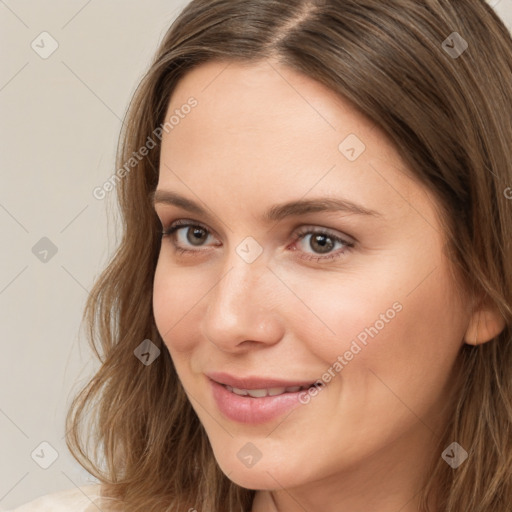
(304, 229)
(185, 223)
(307, 229)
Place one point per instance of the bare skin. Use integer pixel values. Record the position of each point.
(260, 135)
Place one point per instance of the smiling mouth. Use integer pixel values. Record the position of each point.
(263, 392)
(256, 400)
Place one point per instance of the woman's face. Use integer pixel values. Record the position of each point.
(357, 299)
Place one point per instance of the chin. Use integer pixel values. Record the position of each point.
(263, 475)
(255, 480)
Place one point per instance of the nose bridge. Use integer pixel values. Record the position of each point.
(244, 277)
(237, 308)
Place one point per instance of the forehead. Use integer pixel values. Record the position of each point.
(264, 131)
(264, 96)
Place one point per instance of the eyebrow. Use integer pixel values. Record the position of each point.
(276, 212)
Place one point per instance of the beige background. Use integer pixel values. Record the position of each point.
(60, 119)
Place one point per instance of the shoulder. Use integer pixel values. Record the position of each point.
(77, 499)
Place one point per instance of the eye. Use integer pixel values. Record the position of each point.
(194, 236)
(321, 240)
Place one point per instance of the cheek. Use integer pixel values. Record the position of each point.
(344, 313)
(409, 359)
(395, 321)
(175, 295)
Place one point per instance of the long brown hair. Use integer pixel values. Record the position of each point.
(450, 118)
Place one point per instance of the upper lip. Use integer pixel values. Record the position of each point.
(256, 382)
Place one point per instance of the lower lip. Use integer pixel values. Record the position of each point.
(246, 409)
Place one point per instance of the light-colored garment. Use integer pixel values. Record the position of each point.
(77, 499)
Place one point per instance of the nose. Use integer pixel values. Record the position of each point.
(243, 307)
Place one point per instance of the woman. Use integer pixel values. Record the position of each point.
(311, 306)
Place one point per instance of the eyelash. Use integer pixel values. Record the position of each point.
(168, 232)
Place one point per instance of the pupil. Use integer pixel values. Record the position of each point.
(324, 246)
(196, 237)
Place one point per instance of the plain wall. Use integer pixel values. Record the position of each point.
(60, 120)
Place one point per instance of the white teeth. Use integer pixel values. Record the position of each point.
(241, 392)
(276, 391)
(257, 393)
(260, 393)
